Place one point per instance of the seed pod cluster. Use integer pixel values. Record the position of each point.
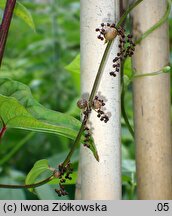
(65, 172)
(86, 110)
(82, 103)
(87, 135)
(97, 105)
(107, 31)
(126, 46)
(61, 191)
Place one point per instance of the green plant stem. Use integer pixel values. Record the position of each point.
(130, 8)
(4, 128)
(100, 70)
(102, 64)
(143, 36)
(157, 25)
(97, 80)
(123, 111)
(29, 185)
(75, 144)
(162, 71)
(16, 148)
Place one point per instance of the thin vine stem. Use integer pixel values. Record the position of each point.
(100, 70)
(99, 73)
(130, 8)
(75, 144)
(97, 80)
(123, 111)
(165, 69)
(157, 25)
(28, 185)
(143, 36)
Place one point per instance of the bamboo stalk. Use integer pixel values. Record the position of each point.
(100, 180)
(152, 104)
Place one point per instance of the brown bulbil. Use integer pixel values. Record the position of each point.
(97, 104)
(107, 31)
(82, 103)
(110, 33)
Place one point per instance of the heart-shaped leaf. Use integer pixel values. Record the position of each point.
(39, 168)
(19, 109)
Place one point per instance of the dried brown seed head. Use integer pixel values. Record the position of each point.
(82, 103)
(97, 104)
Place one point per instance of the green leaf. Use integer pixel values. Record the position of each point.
(74, 69)
(39, 168)
(94, 150)
(125, 179)
(73, 109)
(128, 68)
(127, 81)
(22, 12)
(19, 109)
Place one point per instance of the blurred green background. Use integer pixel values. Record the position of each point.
(42, 60)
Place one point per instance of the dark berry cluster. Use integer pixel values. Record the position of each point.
(86, 107)
(86, 110)
(97, 105)
(87, 135)
(65, 172)
(61, 191)
(126, 45)
(82, 103)
(116, 66)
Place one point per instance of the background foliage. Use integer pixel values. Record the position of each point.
(47, 60)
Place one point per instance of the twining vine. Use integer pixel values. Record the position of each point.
(107, 32)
